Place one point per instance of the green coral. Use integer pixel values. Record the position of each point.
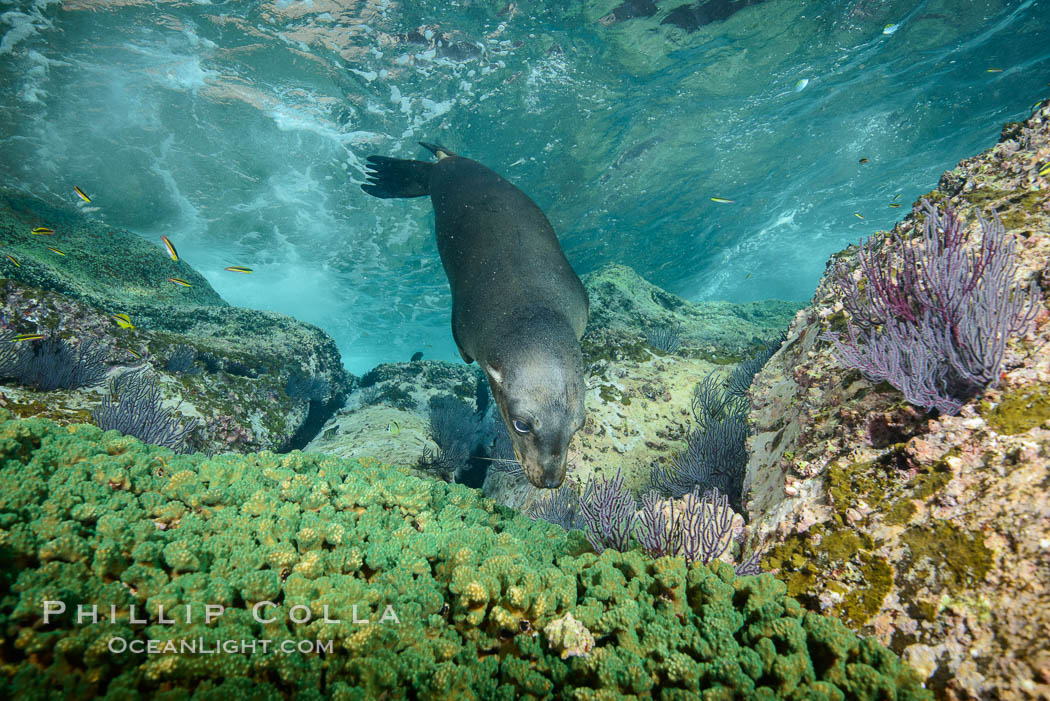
(341, 548)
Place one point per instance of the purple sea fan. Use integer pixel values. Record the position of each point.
(658, 527)
(134, 407)
(934, 320)
(699, 528)
(608, 509)
(707, 525)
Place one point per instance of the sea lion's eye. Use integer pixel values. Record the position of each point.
(520, 426)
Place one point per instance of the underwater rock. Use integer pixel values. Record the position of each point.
(386, 417)
(569, 637)
(410, 386)
(108, 268)
(928, 532)
(623, 301)
(394, 436)
(414, 588)
(242, 359)
(638, 397)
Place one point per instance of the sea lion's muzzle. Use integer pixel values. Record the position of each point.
(543, 471)
(552, 478)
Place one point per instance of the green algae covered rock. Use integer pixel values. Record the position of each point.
(310, 576)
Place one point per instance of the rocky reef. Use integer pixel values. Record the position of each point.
(929, 532)
(254, 380)
(380, 584)
(638, 396)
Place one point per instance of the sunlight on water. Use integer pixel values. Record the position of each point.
(240, 131)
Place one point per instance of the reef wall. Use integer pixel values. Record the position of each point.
(931, 533)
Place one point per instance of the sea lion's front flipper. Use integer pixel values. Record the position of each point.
(395, 177)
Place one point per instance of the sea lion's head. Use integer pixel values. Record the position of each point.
(540, 395)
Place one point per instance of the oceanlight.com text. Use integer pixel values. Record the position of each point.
(200, 646)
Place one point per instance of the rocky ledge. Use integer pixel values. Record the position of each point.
(252, 380)
(931, 533)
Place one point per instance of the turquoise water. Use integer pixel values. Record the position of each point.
(239, 130)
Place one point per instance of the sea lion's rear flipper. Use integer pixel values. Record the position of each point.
(439, 151)
(395, 177)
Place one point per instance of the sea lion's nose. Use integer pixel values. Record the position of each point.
(554, 472)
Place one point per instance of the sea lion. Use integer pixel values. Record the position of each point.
(518, 308)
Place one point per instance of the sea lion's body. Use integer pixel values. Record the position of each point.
(500, 253)
(518, 308)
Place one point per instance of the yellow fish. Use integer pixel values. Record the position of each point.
(857, 215)
(239, 269)
(1045, 170)
(123, 321)
(393, 428)
(897, 196)
(28, 337)
(13, 259)
(995, 70)
(133, 353)
(178, 281)
(43, 231)
(722, 200)
(895, 204)
(863, 160)
(81, 194)
(170, 247)
(55, 250)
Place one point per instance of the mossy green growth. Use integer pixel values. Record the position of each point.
(98, 519)
(806, 561)
(1019, 412)
(717, 358)
(613, 395)
(613, 348)
(1023, 200)
(863, 602)
(396, 396)
(881, 484)
(901, 512)
(941, 552)
(837, 322)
